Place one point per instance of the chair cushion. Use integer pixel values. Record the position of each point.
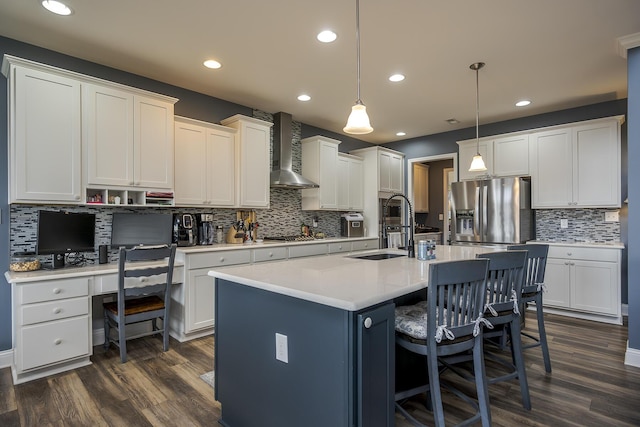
(135, 306)
(411, 320)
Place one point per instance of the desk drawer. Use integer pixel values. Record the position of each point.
(219, 258)
(108, 283)
(54, 290)
(53, 342)
(54, 310)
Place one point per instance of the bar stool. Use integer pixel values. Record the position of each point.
(532, 291)
(450, 322)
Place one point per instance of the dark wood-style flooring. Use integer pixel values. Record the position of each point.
(589, 386)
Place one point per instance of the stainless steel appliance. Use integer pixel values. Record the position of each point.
(206, 230)
(352, 225)
(493, 211)
(185, 229)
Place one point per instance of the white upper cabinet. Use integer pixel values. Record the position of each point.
(420, 188)
(252, 160)
(350, 185)
(391, 168)
(129, 138)
(468, 149)
(504, 155)
(44, 134)
(204, 164)
(320, 165)
(577, 165)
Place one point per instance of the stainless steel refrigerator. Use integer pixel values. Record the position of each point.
(492, 211)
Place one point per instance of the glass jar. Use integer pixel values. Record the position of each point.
(24, 261)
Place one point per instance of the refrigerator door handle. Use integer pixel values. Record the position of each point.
(485, 212)
(477, 229)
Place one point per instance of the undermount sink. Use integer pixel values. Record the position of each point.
(377, 257)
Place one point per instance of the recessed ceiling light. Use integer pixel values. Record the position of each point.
(396, 78)
(304, 98)
(211, 63)
(452, 121)
(523, 103)
(327, 36)
(401, 133)
(57, 7)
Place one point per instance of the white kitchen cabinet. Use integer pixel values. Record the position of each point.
(577, 165)
(584, 282)
(199, 313)
(391, 168)
(320, 165)
(128, 138)
(466, 151)
(503, 155)
(420, 188)
(204, 164)
(350, 183)
(252, 160)
(44, 133)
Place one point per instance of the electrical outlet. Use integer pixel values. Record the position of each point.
(564, 223)
(440, 217)
(611, 216)
(282, 351)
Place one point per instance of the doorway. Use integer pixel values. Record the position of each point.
(442, 170)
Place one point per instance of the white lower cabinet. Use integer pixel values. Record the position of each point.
(200, 298)
(585, 282)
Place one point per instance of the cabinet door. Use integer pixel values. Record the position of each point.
(551, 169)
(384, 171)
(511, 156)
(396, 173)
(420, 188)
(254, 165)
(45, 130)
(328, 175)
(596, 174)
(467, 150)
(344, 183)
(108, 120)
(375, 379)
(221, 170)
(153, 143)
(191, 164)
(594, 287)
(356, 185)
(557, 281)
(199, 302)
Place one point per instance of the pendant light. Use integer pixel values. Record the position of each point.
(477, 164)
(358, 121)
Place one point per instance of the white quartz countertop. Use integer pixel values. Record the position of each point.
(344, 281)
(581, 243)
(269, 243)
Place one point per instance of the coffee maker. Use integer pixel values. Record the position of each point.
(206, 230)
(185, 229)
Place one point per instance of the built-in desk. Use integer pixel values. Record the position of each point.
(52, 316)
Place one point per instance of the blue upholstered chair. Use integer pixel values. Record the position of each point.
(144, 294)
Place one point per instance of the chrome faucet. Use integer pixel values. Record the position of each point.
(410, 243)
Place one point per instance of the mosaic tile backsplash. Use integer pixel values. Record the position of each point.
(583, 225)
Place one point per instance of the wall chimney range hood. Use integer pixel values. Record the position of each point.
(282, 174)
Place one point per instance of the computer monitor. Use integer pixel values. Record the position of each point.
(134, 229)
(60, 233)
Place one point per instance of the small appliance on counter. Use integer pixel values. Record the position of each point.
(185, 229)
(352, 225)
(206, 230)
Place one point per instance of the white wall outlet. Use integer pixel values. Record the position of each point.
(282, 351)
(564, 223)
(440, 217)
(611, 216)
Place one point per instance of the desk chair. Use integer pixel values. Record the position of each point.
(144, 293)
(504, 285)
(532, 293)
(448, 323)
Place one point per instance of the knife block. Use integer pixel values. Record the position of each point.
(231, 236)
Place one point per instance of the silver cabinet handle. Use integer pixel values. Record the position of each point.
(222, 259)
(58, 341)
(57, 290)
(57, 310)
(368, 322)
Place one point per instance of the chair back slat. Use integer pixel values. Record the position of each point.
(536, 265)
(505, 278)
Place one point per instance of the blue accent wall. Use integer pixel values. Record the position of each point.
(633, 82)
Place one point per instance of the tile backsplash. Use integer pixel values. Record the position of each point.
(582, 225)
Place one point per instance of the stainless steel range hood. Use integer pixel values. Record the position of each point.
(282, 174)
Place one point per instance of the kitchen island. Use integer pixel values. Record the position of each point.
(311, 341)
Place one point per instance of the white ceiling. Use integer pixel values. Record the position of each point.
(558, 53)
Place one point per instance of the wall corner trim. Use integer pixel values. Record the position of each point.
(632, 356)
(624, 43)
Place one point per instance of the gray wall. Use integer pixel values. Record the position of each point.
(633, 78)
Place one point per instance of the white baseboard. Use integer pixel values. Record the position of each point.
(625, 309)
(6, 357)
(632, 356)
(135, 329)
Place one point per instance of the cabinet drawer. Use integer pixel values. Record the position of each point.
(335, 248)
(594, 254)
(307, 250)
(54, 290)
(217, 259)
(108, 283)
(362, 245)
(269, 254)
(54, 310)
(53, 342)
